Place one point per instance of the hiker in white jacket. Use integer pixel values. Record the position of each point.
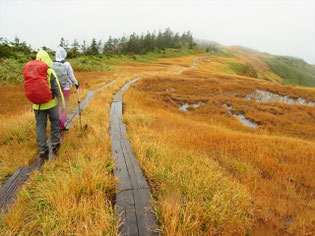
(66, 78)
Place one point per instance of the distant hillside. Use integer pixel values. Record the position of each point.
(281, 69)
(292, 71)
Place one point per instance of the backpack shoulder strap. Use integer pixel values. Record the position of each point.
(63, 61)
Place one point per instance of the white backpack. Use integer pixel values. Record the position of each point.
(61, 71)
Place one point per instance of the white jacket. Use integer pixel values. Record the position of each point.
(61, 54)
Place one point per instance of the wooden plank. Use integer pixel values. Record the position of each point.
(86, 100)
(115, 131)
(8, 191)
(145, 215)
(132, 175)
(122, 174)
(130, 152)
(37, 164)
(122, 127)
(142, 183)
(138, 181)
(117, 109)
(126, 210)
(118, 97)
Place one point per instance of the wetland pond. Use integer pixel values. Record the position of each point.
(266, 96)
(241, 117)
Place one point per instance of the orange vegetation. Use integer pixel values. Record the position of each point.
(17, 122)
(274, 162)
(74, 194)
(209, 174)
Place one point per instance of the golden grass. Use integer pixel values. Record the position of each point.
(265, 175)
(17, 121)
(209, 173)
(73, 194)
(293, 120)
(17, 143)
(192, 193)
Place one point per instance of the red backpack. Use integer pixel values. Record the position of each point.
(36, 85)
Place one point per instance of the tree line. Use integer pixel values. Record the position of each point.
(134, 44)
(14, 49)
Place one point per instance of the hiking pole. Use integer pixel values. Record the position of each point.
(78, 96)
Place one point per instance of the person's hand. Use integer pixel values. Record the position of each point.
(77, 85)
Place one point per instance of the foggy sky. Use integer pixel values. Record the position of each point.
(280, 27)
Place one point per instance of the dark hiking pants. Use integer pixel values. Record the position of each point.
(41, 123)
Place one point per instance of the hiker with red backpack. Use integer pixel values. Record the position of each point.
(43, 89)
(66, 78)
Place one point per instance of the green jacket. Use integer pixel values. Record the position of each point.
(53, 83)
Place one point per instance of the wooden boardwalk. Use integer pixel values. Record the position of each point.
(8, 191)
(133, 198)
(195, 62)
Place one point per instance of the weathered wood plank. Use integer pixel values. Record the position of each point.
(8, 191)
(122, 174)
(138, 180)
(145, 215)
(131, 173)
(125, 207)
(122, 127)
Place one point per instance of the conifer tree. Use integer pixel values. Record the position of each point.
(16, 42)
(116, 45)
(93, 48)
(75, 46)
(108, 46)
(99, 46)
(66, 45)
(74, 50)
(159, 41)
(84, 47)
(62, 42)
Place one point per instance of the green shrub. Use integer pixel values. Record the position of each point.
(243, 69)
(11, 71)
(292, 60)
(292, 73)
(89, 63)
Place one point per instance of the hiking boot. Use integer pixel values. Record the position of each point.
(44, 155)
(55, 147)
